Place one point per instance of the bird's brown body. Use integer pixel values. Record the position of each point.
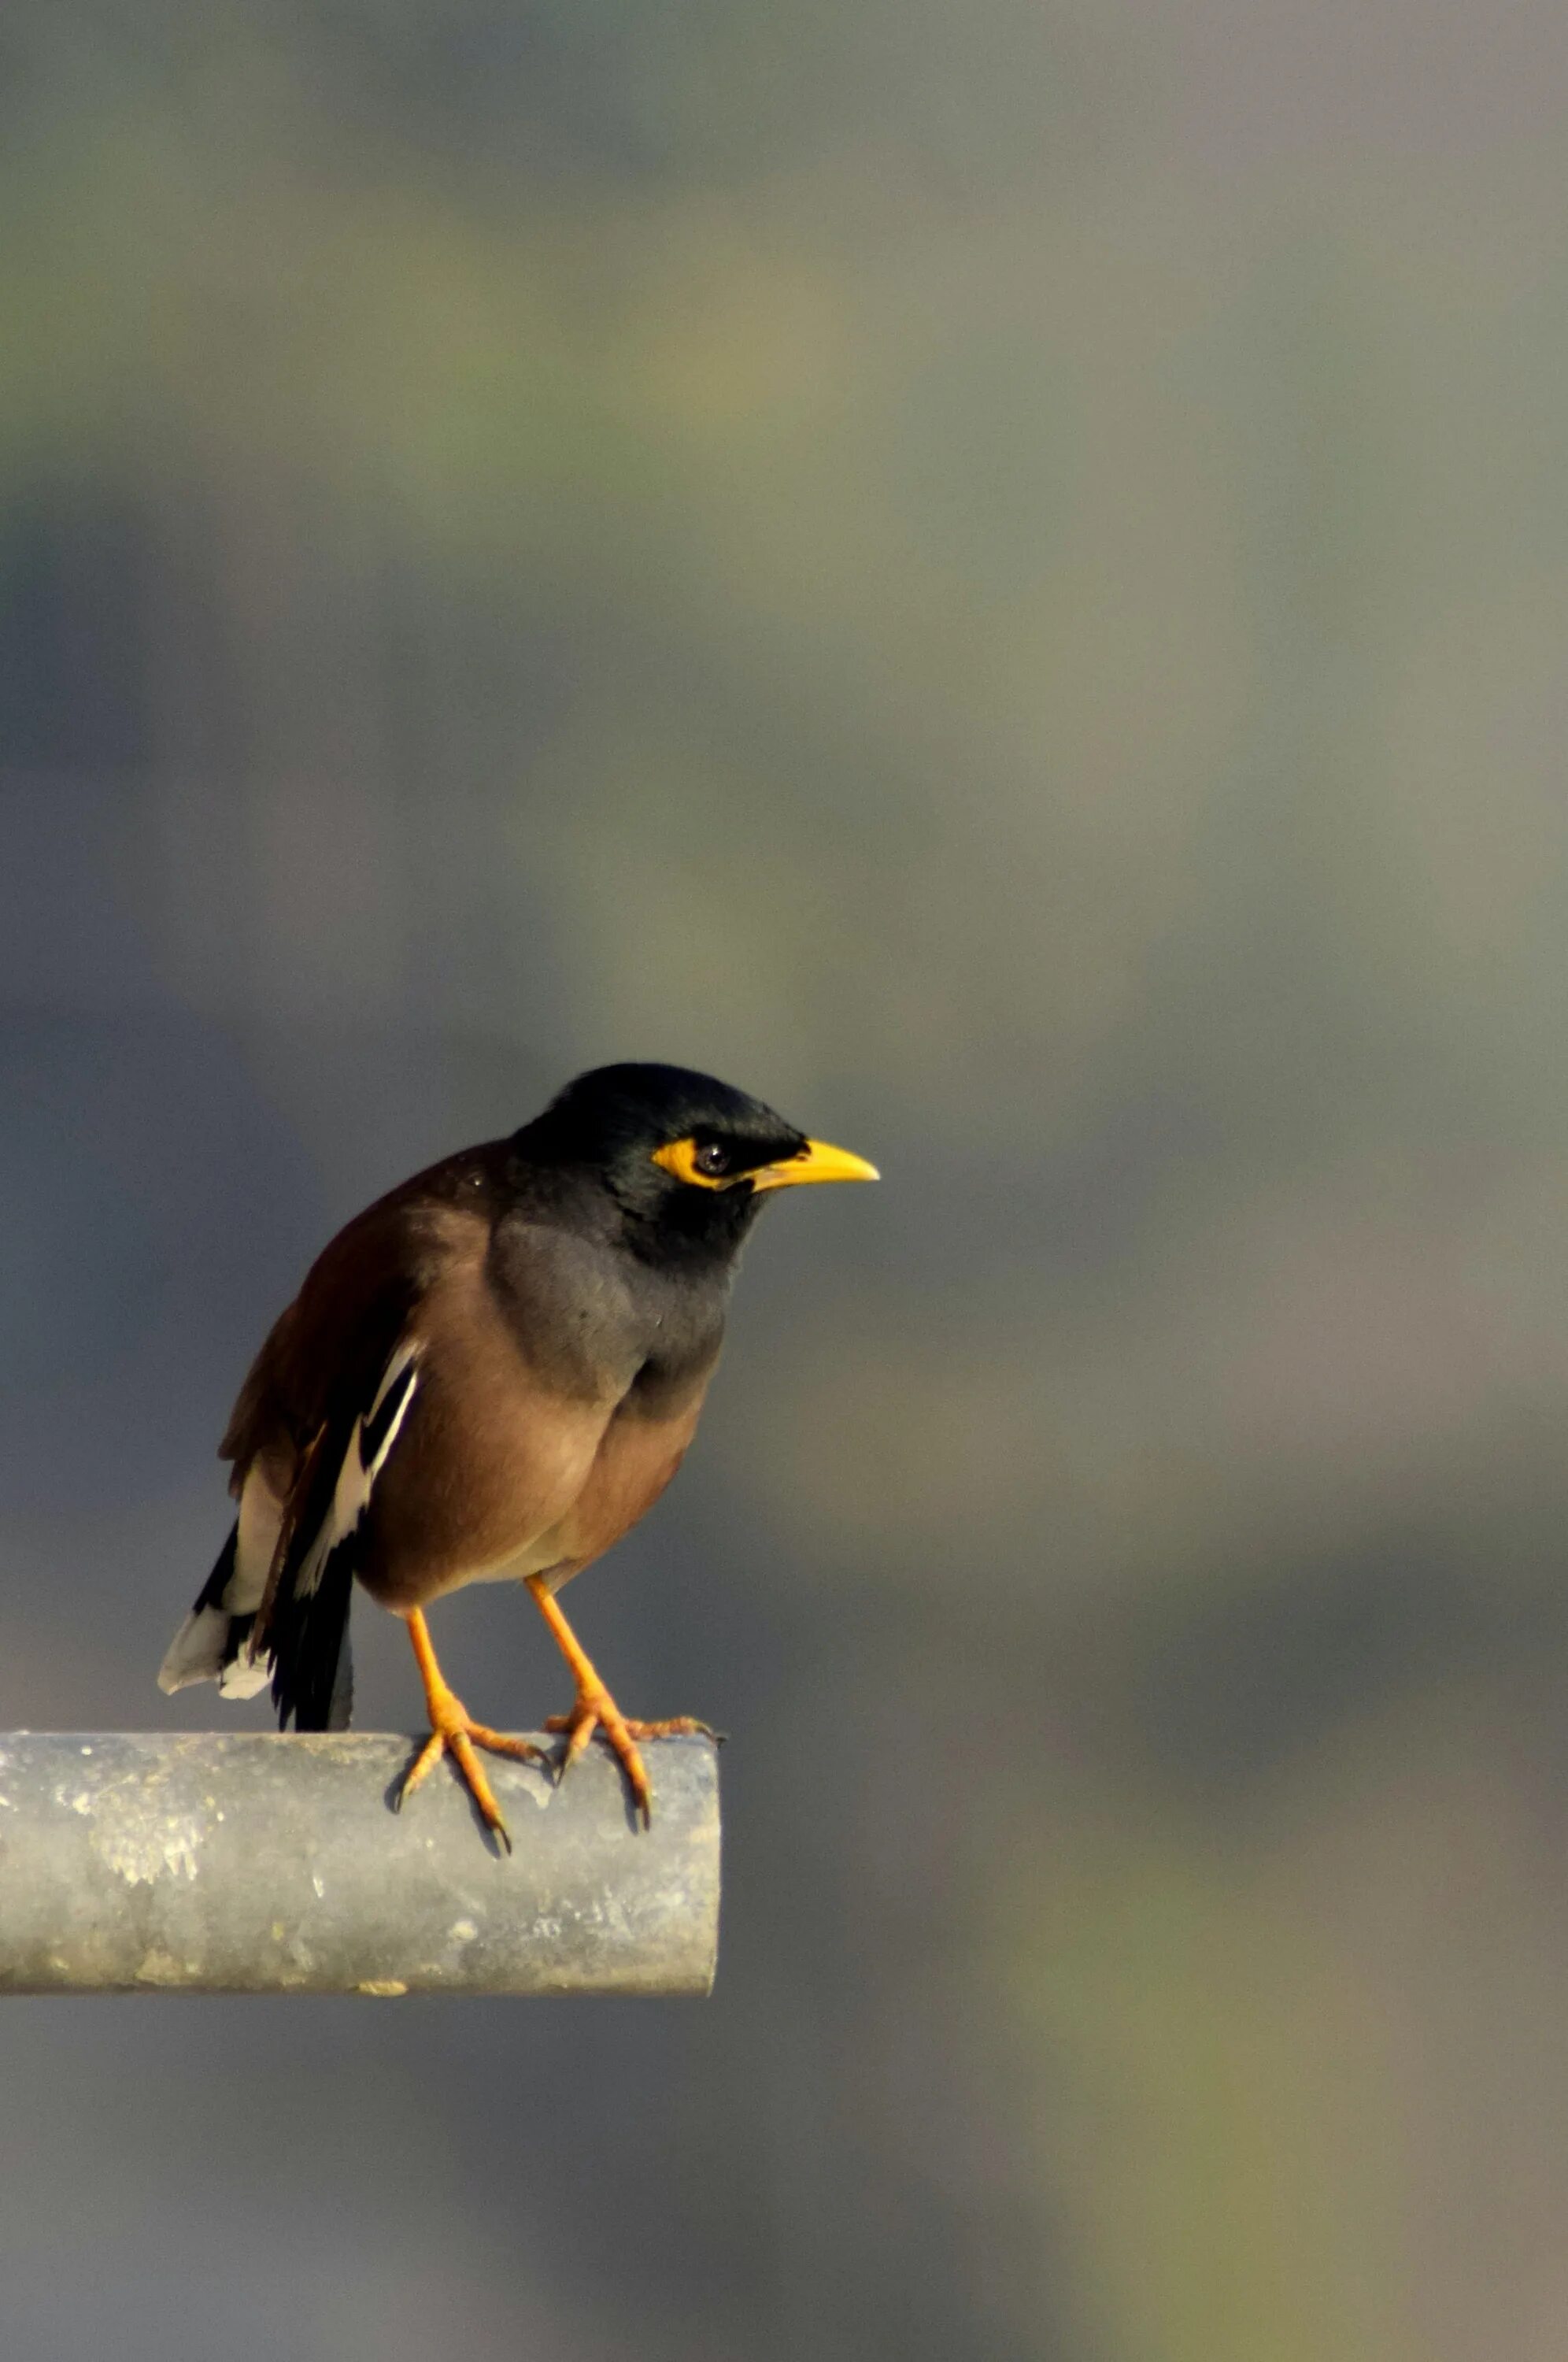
(491, 1373)
(544, 1423)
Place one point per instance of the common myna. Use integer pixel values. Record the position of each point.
(489, 1373)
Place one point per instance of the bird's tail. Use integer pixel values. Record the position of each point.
(214, 1642)
(304, 1651)
(305, 1647)
(301, 1637)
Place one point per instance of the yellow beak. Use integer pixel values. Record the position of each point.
(816, 1162)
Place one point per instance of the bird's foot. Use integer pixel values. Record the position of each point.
(455, 1733)
(596, 1710)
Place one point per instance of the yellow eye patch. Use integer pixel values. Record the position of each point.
(685, 1159)
(814, 1161)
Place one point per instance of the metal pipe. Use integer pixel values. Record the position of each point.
(136, 1861)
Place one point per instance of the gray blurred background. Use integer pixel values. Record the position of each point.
(997, 574)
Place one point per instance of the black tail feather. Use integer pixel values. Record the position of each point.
(307, 1637)
(302, 1626)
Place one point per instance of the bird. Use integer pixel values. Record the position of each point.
(489, 1374)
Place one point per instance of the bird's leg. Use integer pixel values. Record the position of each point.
(453, 1732)
(596, 1710)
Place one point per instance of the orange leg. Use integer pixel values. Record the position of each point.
(453, 1732)
(596, 1710)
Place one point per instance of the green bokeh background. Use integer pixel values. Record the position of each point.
(999, 574)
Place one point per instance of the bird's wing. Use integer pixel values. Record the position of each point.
(329, 1392)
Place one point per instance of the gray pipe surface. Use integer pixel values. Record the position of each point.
(136, 1861)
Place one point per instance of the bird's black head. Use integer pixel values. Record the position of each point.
(687, 1158)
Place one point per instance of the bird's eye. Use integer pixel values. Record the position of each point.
(707, 1162)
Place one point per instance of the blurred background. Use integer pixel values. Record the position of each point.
(996, 573)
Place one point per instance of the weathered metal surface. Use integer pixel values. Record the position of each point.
(134, 1862)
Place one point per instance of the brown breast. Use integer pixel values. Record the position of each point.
(637, 1458)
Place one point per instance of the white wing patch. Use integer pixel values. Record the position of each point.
(401, 1379)
(371, 1439)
